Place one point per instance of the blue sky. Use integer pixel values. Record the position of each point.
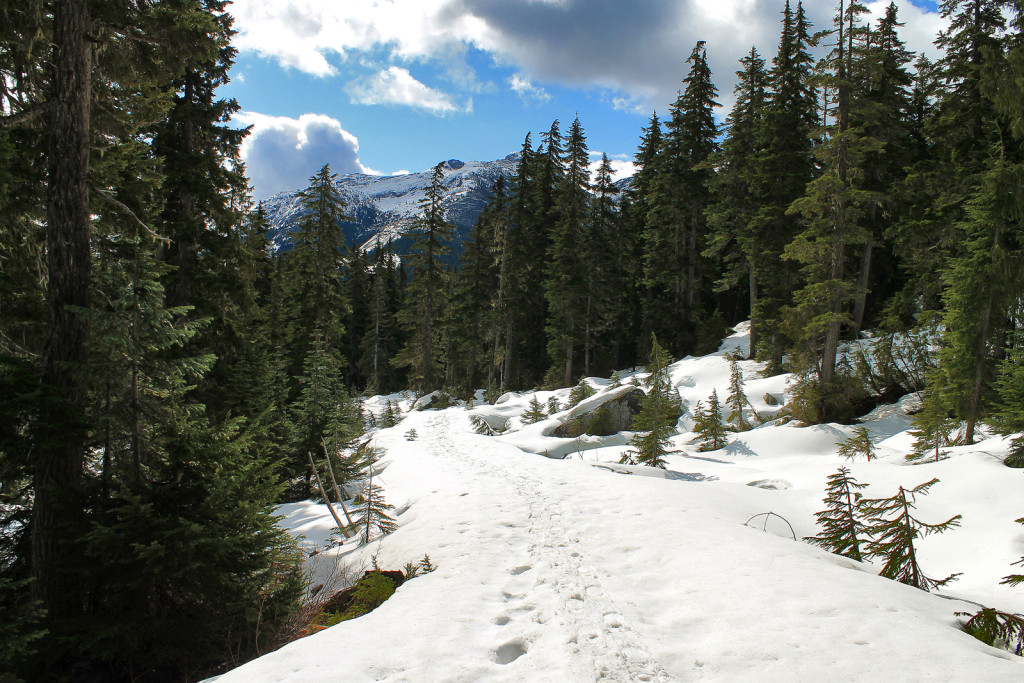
(385, 86)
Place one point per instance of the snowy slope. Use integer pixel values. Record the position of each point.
(580, 570)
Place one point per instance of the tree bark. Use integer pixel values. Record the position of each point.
(60, 457)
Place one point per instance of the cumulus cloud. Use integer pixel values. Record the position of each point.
(635, 50)
(622, 165)
(522, 86)
(281, 153)
(396, 86)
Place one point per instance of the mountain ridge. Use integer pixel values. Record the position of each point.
(385, 208)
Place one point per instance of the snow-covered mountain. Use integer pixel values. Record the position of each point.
(385, 207)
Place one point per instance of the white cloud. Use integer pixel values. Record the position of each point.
(281, 153)
(397, 86)
(636, 50)
(522, 86)
(622, 165)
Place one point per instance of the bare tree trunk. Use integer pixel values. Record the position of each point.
(60, 458)
(327, 501)
(334, 482)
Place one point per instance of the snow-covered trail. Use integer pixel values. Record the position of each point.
(559, 571)
(556, 581)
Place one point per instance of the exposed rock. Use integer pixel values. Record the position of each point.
(602, 417)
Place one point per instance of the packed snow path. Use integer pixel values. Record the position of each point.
(556, 582)
(559, 571)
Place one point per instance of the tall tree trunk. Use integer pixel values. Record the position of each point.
(752, 278)
(860, 305)
(60, 457)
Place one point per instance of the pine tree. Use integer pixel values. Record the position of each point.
(708, 424)
(476, 282)
(315, 267)
(736, 400)
(534, 412)
(932, 427)
(580, 392)
(842, 530)
(1008, 416)
(322, 412)
(782, 168)
(659, 412)
(383, 336)
(894, 530)
(376, 512)
(426, 301)
(833, 209)
(675, 221)
(861, 443)
(982, 292)
(567, 271)
(730, 240)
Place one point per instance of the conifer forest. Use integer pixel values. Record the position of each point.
(168, 376)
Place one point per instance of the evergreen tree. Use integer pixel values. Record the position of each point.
(842, 531)
(736, 400)
(893, 530)
(376, 520)
(580, 392)
(1008, 416)
(932, 427)
(567, 271)
(534, 412)
(314, 267)
(708, 424)
(425, 303)
(472, 317)
(731, 241)
(659, 411)
(322, 413)
(861, 443)
(676, 220)
(782, 169)
(383, 336)
(983, 290)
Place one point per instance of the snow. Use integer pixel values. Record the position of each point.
(580, 569)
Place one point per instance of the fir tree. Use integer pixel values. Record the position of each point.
(580, 392)
(932, 427)
(534, 412)
(1008, 415)
(842, 530)
(425, 303)
(314, 268)
(861, 443)
(736, 400)
(675, 221)
(893, 530)
(708, 424)
(659, 411)
(734, 205)
(782, 168)
(376, 512)
(567, 271)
